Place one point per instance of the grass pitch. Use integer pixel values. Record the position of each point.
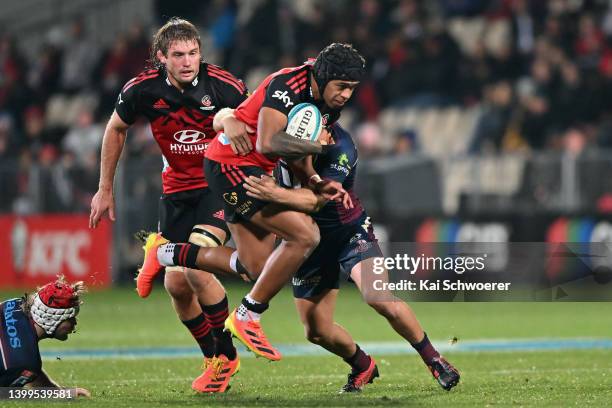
(119, 319)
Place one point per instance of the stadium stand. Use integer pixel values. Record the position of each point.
(495, 95)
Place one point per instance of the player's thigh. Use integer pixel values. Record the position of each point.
(209, 228)
(254, 245)
(357, 251)
(383, 301)
(177, 214)
(189, 216)
(356, 272)
(287, 224)
(226, 181)
(319, 273)
(317, 312)
(359, 274)
(209, 231)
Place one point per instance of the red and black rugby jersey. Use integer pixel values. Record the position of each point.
(282, 91)
(181, 122)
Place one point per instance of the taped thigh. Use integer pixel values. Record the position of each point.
(204, 238)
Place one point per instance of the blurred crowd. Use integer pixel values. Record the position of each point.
(539, 71)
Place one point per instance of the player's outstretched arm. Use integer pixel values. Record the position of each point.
(301, 199)
(43, 380)
(273, 139)
(328, 189)
(112, 145)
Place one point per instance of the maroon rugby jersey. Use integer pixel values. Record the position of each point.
(181, 122)
(282, 91)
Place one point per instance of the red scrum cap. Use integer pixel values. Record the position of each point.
(55, 302)
(58, 295)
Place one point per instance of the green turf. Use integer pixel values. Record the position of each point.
(544, 379)
(118, 318)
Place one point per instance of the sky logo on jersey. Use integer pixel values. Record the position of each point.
(283, 97)
(9, 323)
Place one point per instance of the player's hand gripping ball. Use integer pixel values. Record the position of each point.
(304, 122)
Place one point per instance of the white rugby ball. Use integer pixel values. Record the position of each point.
(304, 122)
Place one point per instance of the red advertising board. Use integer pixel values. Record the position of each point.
(35, 249)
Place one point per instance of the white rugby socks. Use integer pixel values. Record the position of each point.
(165, 254)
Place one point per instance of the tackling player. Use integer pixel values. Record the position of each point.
(50, 313)
(327, 82)
(347, 245)
(179, 96)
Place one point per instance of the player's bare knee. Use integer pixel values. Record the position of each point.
(256, 266)
(314, 335)
(315, 237)
(308, 237)
(253, 264)
(177, 286)
(386, 309)
(200, 280)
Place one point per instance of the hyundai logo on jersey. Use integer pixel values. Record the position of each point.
(189, 136)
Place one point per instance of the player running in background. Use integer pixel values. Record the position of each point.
(179, 96)
(327, 82)
(50, 313)
(346, 248)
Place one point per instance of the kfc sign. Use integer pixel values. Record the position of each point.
(52, 252)
(41, 247)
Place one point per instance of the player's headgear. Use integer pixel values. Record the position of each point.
(55, 302)
(338, 61)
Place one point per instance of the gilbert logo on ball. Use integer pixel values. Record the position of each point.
(304, 122)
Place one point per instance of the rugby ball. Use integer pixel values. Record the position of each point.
(304, 122)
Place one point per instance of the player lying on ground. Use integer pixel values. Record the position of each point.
(50, 313)
(179, 97)
(327, 82)
(347, 246)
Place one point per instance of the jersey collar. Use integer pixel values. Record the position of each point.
(193, 84)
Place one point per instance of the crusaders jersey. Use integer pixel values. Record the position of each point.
(282, 91)
(21, 361)
(181, 122)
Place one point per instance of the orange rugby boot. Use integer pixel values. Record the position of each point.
(358, 380)
(150, 266)
(251, 334)
(217, 376)
(207, 362)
